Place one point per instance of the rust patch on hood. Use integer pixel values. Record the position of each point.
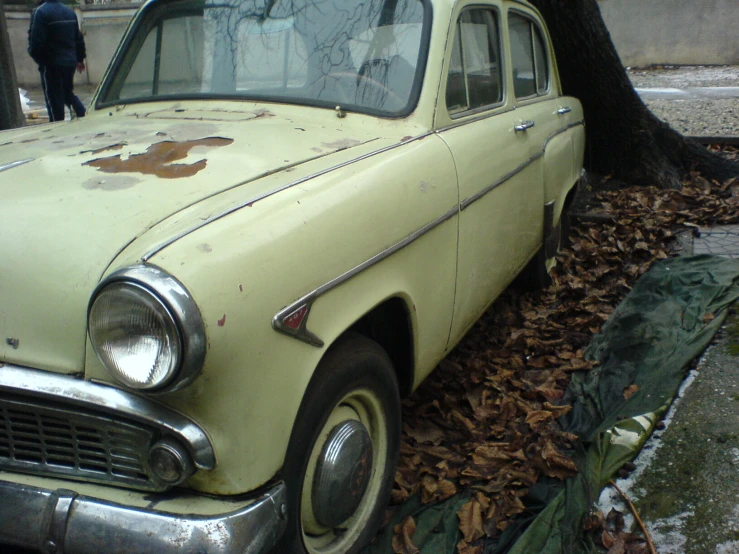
(159, 157)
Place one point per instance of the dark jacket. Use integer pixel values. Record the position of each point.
(54, 37)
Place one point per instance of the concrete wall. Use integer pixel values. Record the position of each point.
(645, 32)
(102, 27)
(674, 32)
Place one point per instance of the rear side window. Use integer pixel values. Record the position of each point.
(475, 74)
(529, 57)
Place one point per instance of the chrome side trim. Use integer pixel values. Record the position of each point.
(176, 297)
(560, 131)
(62, 521)
(109, 400)
(11, 165)
(475, 197)
(305, 303)
(301, 307)
(272, 192)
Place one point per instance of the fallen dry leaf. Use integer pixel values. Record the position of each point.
(402, 541)
(470, 520)
(630, 391)
(488, 416)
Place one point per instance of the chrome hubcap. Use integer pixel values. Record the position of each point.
(343, 473)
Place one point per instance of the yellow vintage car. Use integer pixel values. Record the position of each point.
(277, 217)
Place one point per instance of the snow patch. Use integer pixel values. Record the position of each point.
(668, 533)
(25, 101)
(731, 547)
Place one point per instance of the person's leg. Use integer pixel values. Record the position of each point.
(41, 70)
(54, 92)
(70, 99)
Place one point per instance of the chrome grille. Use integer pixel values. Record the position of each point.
(59, 440)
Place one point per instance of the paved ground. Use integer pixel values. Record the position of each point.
(686, 485)
(694, 100)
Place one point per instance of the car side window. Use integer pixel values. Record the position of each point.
(529, 56)
(475, 75)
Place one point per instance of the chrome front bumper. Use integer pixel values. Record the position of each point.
(58, 521)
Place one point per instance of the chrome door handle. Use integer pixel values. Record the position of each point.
(523, 126)
(564, 110)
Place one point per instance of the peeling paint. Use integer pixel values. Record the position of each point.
(406, 138)
(262, 112)
(341, 144)
(222, 321)
(117, 146)
(112, 183)
(182, 132)
(158, 159)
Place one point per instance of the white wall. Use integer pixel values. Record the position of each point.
(674, 32)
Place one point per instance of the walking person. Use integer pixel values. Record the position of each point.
(56, 44)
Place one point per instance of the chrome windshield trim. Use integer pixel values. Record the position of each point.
(305, 302)
(11, 165)
(109, 400)
(186, 314)
(154, 251)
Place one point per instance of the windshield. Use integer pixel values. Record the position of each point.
(363, 55)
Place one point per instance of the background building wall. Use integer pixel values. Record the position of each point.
(102, 26)
(645, 32)
(674, 32)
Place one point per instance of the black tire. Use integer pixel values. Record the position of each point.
(355, 376)
(535, 276)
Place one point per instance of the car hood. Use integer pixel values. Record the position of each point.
(75, 195)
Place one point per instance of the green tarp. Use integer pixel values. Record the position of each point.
(668, 319)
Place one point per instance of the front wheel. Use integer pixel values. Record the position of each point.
(340, 463)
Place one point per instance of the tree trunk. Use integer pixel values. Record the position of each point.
(625, 139)
(11, 114)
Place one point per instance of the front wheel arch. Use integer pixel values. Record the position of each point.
(354, 381)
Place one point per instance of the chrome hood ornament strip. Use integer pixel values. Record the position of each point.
(11, 165)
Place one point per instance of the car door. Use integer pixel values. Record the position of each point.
(544, 115)
(500, 182)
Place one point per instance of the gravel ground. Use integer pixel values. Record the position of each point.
(693, 116)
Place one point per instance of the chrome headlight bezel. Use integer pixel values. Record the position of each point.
(176, 300)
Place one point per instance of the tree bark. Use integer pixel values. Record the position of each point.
(11, 113)
(625, 140)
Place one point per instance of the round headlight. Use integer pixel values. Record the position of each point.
(135, 336)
